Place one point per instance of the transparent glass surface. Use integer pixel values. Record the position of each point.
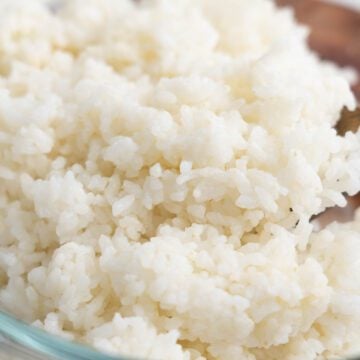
(19, 341)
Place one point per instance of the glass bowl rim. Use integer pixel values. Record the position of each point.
(42, 343)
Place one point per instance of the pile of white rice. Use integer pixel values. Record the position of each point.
(160, 161)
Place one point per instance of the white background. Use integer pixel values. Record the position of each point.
(352, 3)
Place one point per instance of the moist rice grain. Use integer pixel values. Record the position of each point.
(160, 162)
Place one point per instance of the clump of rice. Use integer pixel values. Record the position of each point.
(159, 165)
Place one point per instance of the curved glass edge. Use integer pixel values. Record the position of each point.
(37, 344)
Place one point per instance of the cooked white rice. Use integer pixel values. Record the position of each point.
(159, 165)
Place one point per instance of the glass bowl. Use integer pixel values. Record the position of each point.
(19, 341)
